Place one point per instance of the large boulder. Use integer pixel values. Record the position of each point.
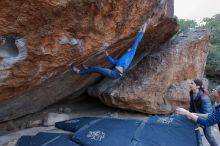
(158, 83)
(43, 37)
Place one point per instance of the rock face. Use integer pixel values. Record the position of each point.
(158, 83)
(39, 39)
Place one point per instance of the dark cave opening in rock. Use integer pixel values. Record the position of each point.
(8, 47)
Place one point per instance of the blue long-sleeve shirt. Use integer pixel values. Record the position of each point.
(125, 60)
(213, 118)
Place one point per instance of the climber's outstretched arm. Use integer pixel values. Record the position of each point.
(110, 59)
(139, 37)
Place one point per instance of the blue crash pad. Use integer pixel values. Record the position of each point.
(154, 131)
(47, 139)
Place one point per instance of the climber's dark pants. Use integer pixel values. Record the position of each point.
(109, 73)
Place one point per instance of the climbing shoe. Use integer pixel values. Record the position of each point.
(74, 70)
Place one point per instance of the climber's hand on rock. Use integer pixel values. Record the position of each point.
(143, 27)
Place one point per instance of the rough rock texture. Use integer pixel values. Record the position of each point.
(45, 36)
(156, 85)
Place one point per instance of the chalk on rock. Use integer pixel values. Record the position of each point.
(74, 42)
(64, 40)
(52, 118)
(20, 42)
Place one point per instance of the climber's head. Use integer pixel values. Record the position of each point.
(129, 49)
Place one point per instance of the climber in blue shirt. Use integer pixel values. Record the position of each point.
(120, 65)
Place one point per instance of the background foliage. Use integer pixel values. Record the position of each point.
(213, 62)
